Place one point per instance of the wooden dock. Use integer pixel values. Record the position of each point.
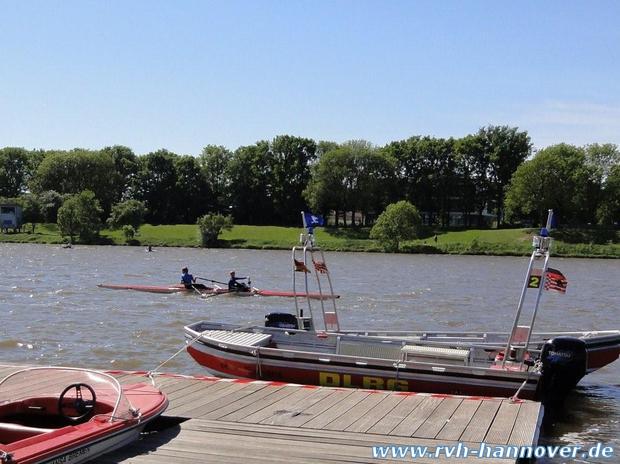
(237, 421)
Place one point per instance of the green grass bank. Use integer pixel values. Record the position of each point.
(498, 242)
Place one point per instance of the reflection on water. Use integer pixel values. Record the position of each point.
(53, 312)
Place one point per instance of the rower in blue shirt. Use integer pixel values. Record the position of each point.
(187, 279)
(235, 286)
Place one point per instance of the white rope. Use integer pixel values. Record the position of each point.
(183, 348)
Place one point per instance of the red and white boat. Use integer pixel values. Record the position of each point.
(206, 291)
(523, 363)
(56, 415)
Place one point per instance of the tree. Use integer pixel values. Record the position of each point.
(125, 170)
(211, 225)
(14, 171)
(193, 196)
(290, 158)
(603, 158)
(608, 212)
(214, 162)
(556, 178)
(127, 213)
(71, 172)
(400, 221)
(31, 209)
(156, 186)
(50, 201)
(79, 215)
(472, 165)
(129, 233)
(354, 177)
(426, 174)
(505, 148)
(251, 184)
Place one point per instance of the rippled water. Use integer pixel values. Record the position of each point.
(53, 312)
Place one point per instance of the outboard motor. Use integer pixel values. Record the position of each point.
(281, 321)
(564, 362)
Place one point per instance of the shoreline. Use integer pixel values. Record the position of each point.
(483, 242)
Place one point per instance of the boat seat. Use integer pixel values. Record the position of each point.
(238, 338)
(428, 353)
(10, 432)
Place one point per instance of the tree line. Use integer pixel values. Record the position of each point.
(270, 182)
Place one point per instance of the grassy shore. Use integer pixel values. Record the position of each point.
(502, 242)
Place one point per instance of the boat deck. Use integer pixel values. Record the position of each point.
(237, 421)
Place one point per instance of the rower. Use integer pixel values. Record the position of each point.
(235, 286)
(187, 279)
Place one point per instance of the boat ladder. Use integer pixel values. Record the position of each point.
(309, 259)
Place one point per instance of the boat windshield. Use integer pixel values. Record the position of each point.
(71, 384)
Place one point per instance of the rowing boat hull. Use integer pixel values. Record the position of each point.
(147, 288)
(180, 288)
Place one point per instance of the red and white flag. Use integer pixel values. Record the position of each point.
(555, 281)
(320, 266)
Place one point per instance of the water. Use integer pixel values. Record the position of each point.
(53, 312)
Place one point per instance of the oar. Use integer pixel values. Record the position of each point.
(198, 291)
(214, 281)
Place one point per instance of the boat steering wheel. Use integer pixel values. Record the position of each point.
(82, 407)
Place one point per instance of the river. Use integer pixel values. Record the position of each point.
(54, 313)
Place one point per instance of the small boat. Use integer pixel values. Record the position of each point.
(57, 415)
(212, 291)
(312, 348)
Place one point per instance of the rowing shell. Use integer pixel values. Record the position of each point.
(180, 288)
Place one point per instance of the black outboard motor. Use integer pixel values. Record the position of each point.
(564, 362)
(281, 321)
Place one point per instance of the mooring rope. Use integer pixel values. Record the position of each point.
(183, 348)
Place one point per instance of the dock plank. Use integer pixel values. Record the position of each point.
(262, 443)
(282, 405)
(390, 421)
(286, 417)
(237, 404)
(336, 410)
(374, 415)
(356, 413)
(438, 419)
(477, 428)
(501, 428)
(523, 434)
(417, 417)
(459, 420)
(275, 394)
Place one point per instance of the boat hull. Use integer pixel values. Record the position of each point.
(89, 450)
(86, 441)
(318, 359)
(212, 291)
(434, 379)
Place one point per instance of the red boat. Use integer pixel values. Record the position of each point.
(212, 291)
(311, 348)
(56, 415)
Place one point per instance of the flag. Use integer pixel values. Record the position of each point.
(320, 266)
(313, 220)
(300, 267)
(555, 281)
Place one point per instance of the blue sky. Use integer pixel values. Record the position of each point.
(184, 74)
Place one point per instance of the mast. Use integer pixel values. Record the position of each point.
(534, 279)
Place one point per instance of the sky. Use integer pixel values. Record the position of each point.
(184, 74)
